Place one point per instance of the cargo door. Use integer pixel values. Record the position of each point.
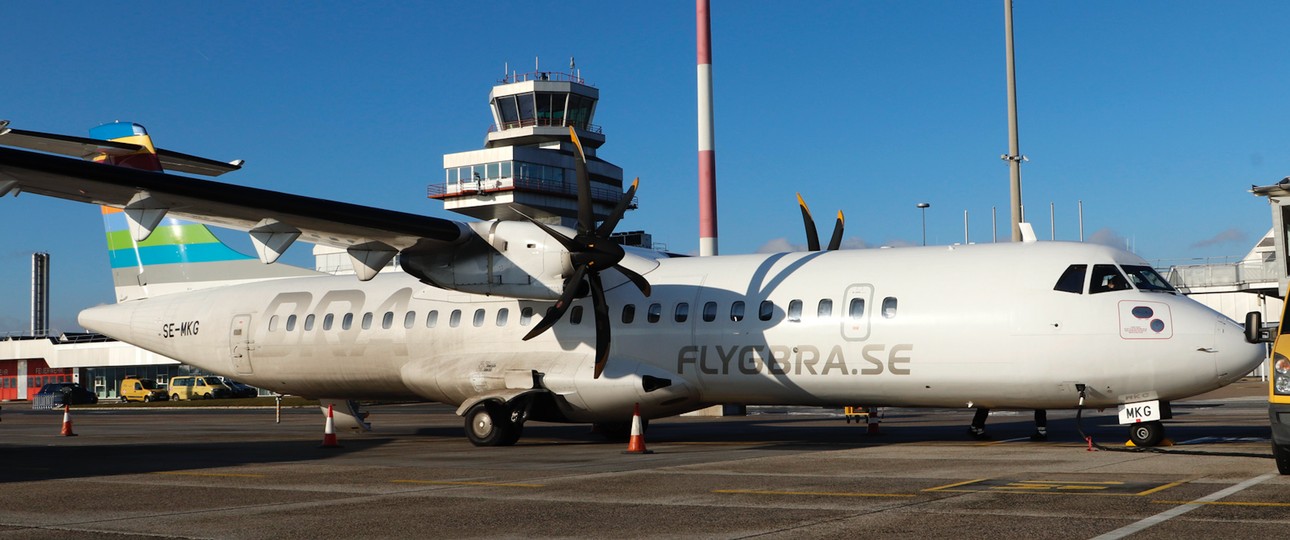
(240, 344)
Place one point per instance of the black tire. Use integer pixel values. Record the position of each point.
(147, 398)
(1282, 453)
(124, 400)
(208, 396)
(174, 397)
(1147, 434)
(488, 423)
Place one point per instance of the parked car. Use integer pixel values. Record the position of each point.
(240, 390)
(197, 387)
(145, 390)
(63, 393)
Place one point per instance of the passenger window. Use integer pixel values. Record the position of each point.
(273, 323)
(575, 315)
(655, 313)
(709, 312)
(856, 309)
(795, 311)
(737, 311)
(526, 316)
(478, 320)
(387, 320)
(1107, 278)
(1072, 280)
(682, 312)
(291, 323)
(825, 310)
(432, 318)
(766, 310)
(502, 316)
(347, 322)
(409, 319)
(888, 307)
(1145, 278)
(629, 313)
(328, 320)
(367, 320)
(309, 322)
(454, 318)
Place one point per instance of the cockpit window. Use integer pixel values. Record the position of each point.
(1107, 278)
(1147, 279)
(1072, 280)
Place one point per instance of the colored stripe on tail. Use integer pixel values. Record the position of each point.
(178, 255)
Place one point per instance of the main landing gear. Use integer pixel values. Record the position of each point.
(493, 423)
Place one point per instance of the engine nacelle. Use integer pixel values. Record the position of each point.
(514, 259)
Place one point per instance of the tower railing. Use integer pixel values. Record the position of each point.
(529, 185)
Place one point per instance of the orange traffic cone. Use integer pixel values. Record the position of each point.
(67, 421)
(636, 445)
(329, 431)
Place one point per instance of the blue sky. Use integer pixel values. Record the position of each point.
(1157, 115)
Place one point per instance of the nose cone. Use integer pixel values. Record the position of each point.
(112, 320)
(1235, 357)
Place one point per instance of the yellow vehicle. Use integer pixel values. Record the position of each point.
(198, 387)
(1278, 383)
(145, 390)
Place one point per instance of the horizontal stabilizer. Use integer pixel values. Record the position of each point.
(86, 148)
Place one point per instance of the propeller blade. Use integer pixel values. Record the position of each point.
(586, 216)
(602, 322)
(607, 227)
(635, 278)
(553, 315)
(812, 237)
(836, 241)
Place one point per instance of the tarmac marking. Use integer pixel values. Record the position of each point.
(1183, 508)
(1228, 503)
(811, 493)
(451, 483)
(1105, 487)
(228, 475)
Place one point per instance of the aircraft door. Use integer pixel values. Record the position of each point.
(857, 303)
(239, 339)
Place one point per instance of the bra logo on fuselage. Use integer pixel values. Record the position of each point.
(799, 360)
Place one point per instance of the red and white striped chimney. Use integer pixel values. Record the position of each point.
(707, 148)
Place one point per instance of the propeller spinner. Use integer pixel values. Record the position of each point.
(591, 251)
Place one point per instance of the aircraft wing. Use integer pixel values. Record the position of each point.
(319, 221)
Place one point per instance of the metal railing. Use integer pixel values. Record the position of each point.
(1238, 275)
(544, 122)
(556, 76)
(529, 185)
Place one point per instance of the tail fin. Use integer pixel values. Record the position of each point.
(179, 255)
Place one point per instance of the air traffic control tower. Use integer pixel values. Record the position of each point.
(527, 162)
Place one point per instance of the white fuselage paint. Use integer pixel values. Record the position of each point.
(975, 324)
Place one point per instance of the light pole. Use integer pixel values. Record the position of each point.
(924, 206)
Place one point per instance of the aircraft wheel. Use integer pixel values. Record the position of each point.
(489, 424)
(1282, 453)
(1147, 434)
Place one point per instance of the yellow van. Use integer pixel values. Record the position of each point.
(197, 387)
(145, 390)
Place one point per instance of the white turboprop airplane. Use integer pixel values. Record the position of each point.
(1030, 325)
